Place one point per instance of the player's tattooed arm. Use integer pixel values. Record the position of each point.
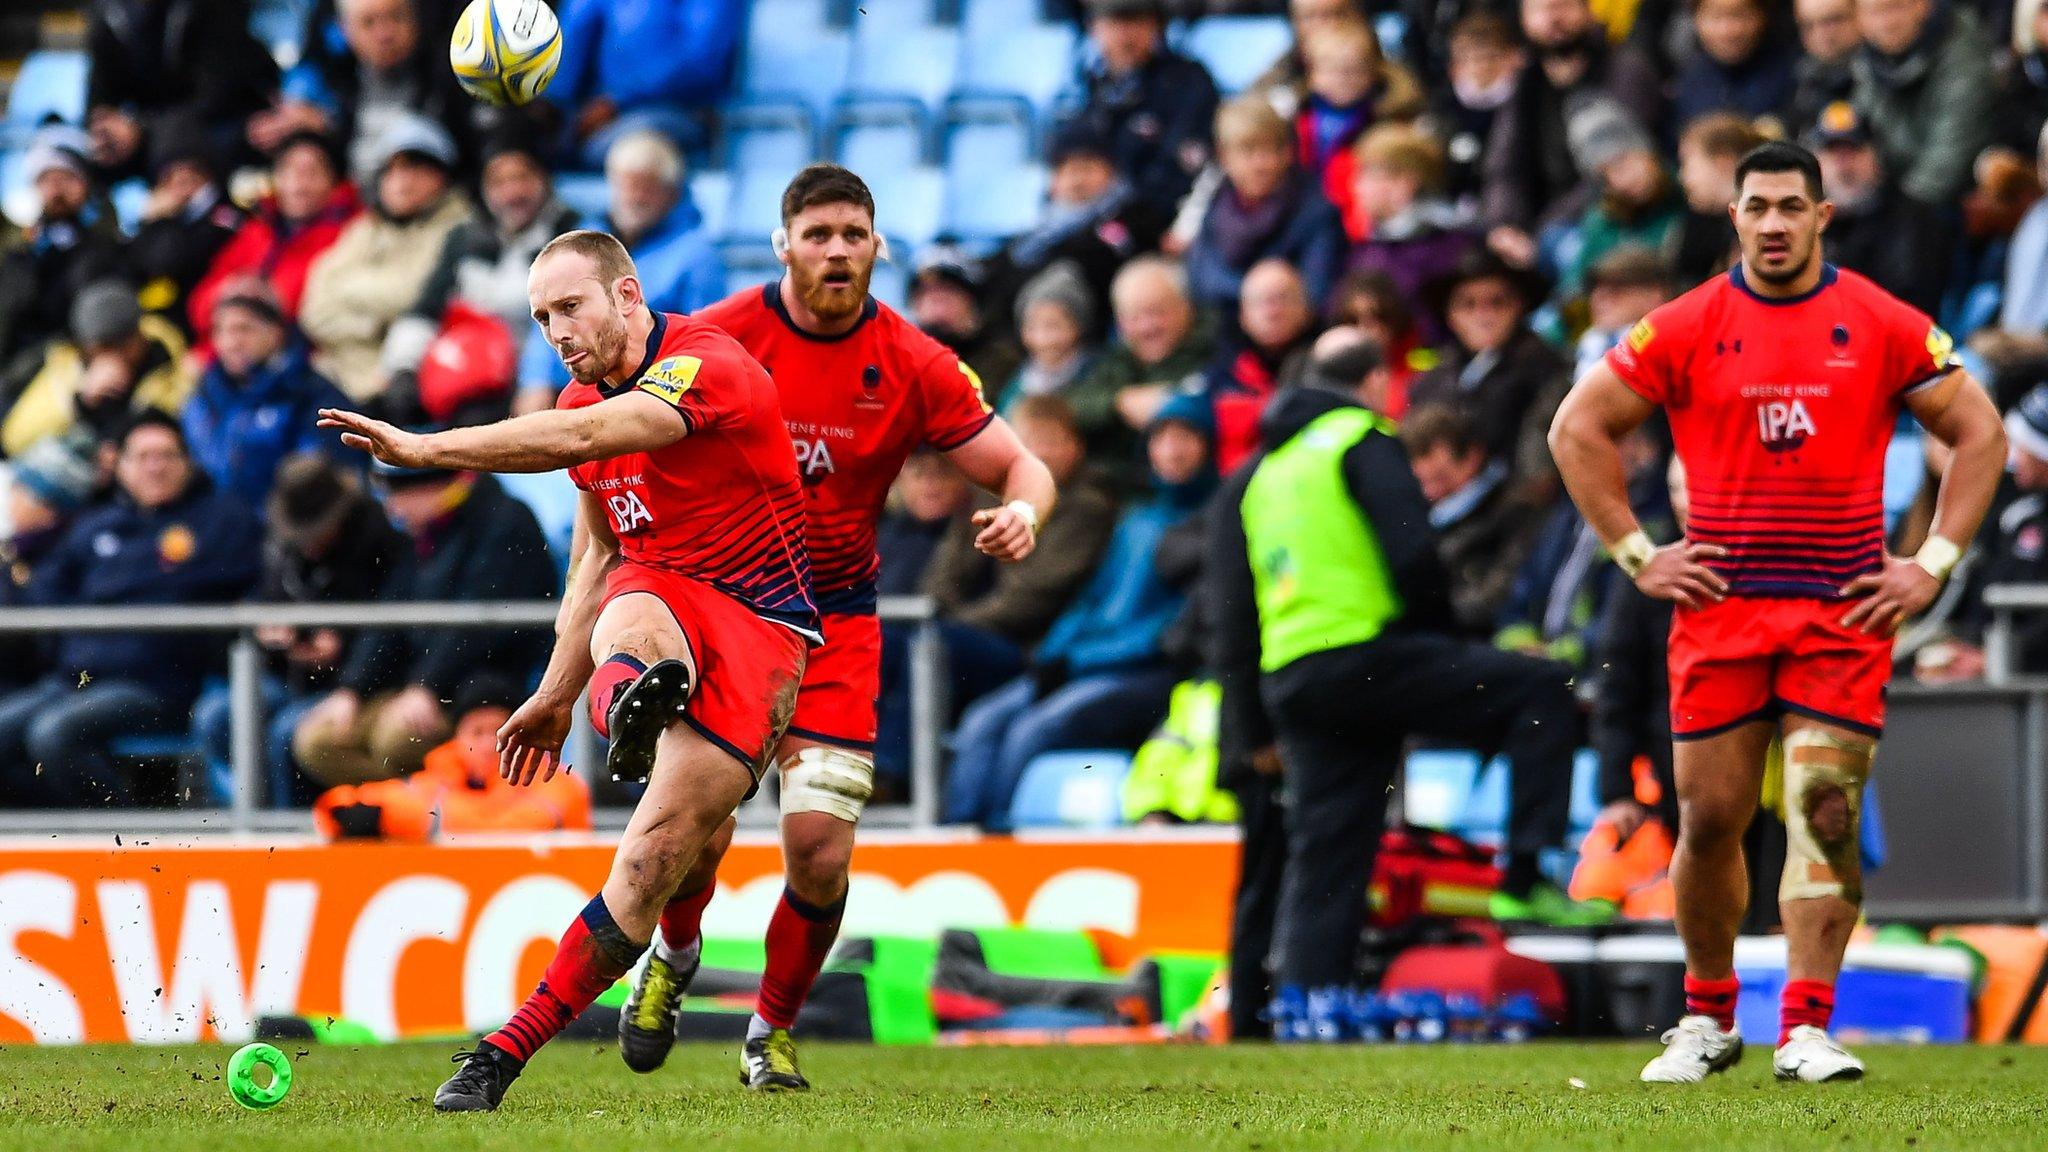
(537, 442)
(997, 461)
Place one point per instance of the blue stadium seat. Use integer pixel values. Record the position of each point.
(891, 284)
(916, 62)
(1436, 782)
(871, 137)
(129, 197)
(1236, 49)
(164, 746)
(909, 203)
(790, 54)
(711, 192)
(986, 138)
(995, 204)
(755, 209)
(280, 25)
(1032, 61)
(775, 137)
(749, 260)
(50, 83)
(892, 17)
(583, 191)
(1071, 790)
(551, 497)
(999, 17)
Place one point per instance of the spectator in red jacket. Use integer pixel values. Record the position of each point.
(308, 205)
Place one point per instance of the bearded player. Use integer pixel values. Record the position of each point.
(1782, 381)
(861, 389)
(688, 609)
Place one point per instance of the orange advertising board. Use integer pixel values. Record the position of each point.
(154, 942)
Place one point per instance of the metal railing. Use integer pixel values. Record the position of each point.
(246, 720)
(2007, 601)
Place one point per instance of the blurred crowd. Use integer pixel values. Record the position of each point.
(1463, 220)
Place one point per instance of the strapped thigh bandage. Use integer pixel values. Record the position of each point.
(1824, 779)
(829, 780)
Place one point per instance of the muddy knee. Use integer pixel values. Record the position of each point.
(1825, 775)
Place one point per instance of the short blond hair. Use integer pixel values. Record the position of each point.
(603, 249)
(1253, 118)
(1406, 149)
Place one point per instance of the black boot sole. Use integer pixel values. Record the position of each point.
(641, 714)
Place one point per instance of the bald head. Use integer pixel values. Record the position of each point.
(1273, 304)
(1150, 297)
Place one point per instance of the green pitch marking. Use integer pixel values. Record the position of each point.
(1415, 1099)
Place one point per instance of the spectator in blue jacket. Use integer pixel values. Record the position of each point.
(1266, 206)
(169, 538)
(651, 212)
(609, 84)
(260, 398)
(1100, 677)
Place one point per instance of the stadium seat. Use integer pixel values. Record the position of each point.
(749, 260)
(1236, 49)
(551, 497)
(754, 210)
(1435, 783)
(874, 137)
(711, 192)
(280, 25)
(1081, 789)
(986, 138)
(916, 63)
(891, 284)
(129, 197)
(791, 55)
(892, 17)
(908, 202)
(773, 137)
(999, 17)
(583, 191)
(994, 205)
(49, 83)
(1031, 61)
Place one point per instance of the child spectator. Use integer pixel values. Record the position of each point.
(1054, 316)
(1372, 303)
(1265, 206)
(1402, 230)
(1708, 151)
(1350, 87)
(1485, 58)
(1638, 203)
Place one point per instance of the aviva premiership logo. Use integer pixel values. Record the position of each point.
(670, 378)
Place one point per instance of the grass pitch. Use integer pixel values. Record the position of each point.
(1436, 1099)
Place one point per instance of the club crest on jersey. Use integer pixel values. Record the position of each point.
(870, 388)
(670, 378)
(1784, 425)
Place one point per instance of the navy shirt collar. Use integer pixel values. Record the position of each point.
(608, 390)
(1828, 276)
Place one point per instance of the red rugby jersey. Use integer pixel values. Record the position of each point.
(856, 406)
(1781, 411)
(721, 505)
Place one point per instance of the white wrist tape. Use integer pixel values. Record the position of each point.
(1938, 556)
(1633, 551)
(1024, 510)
